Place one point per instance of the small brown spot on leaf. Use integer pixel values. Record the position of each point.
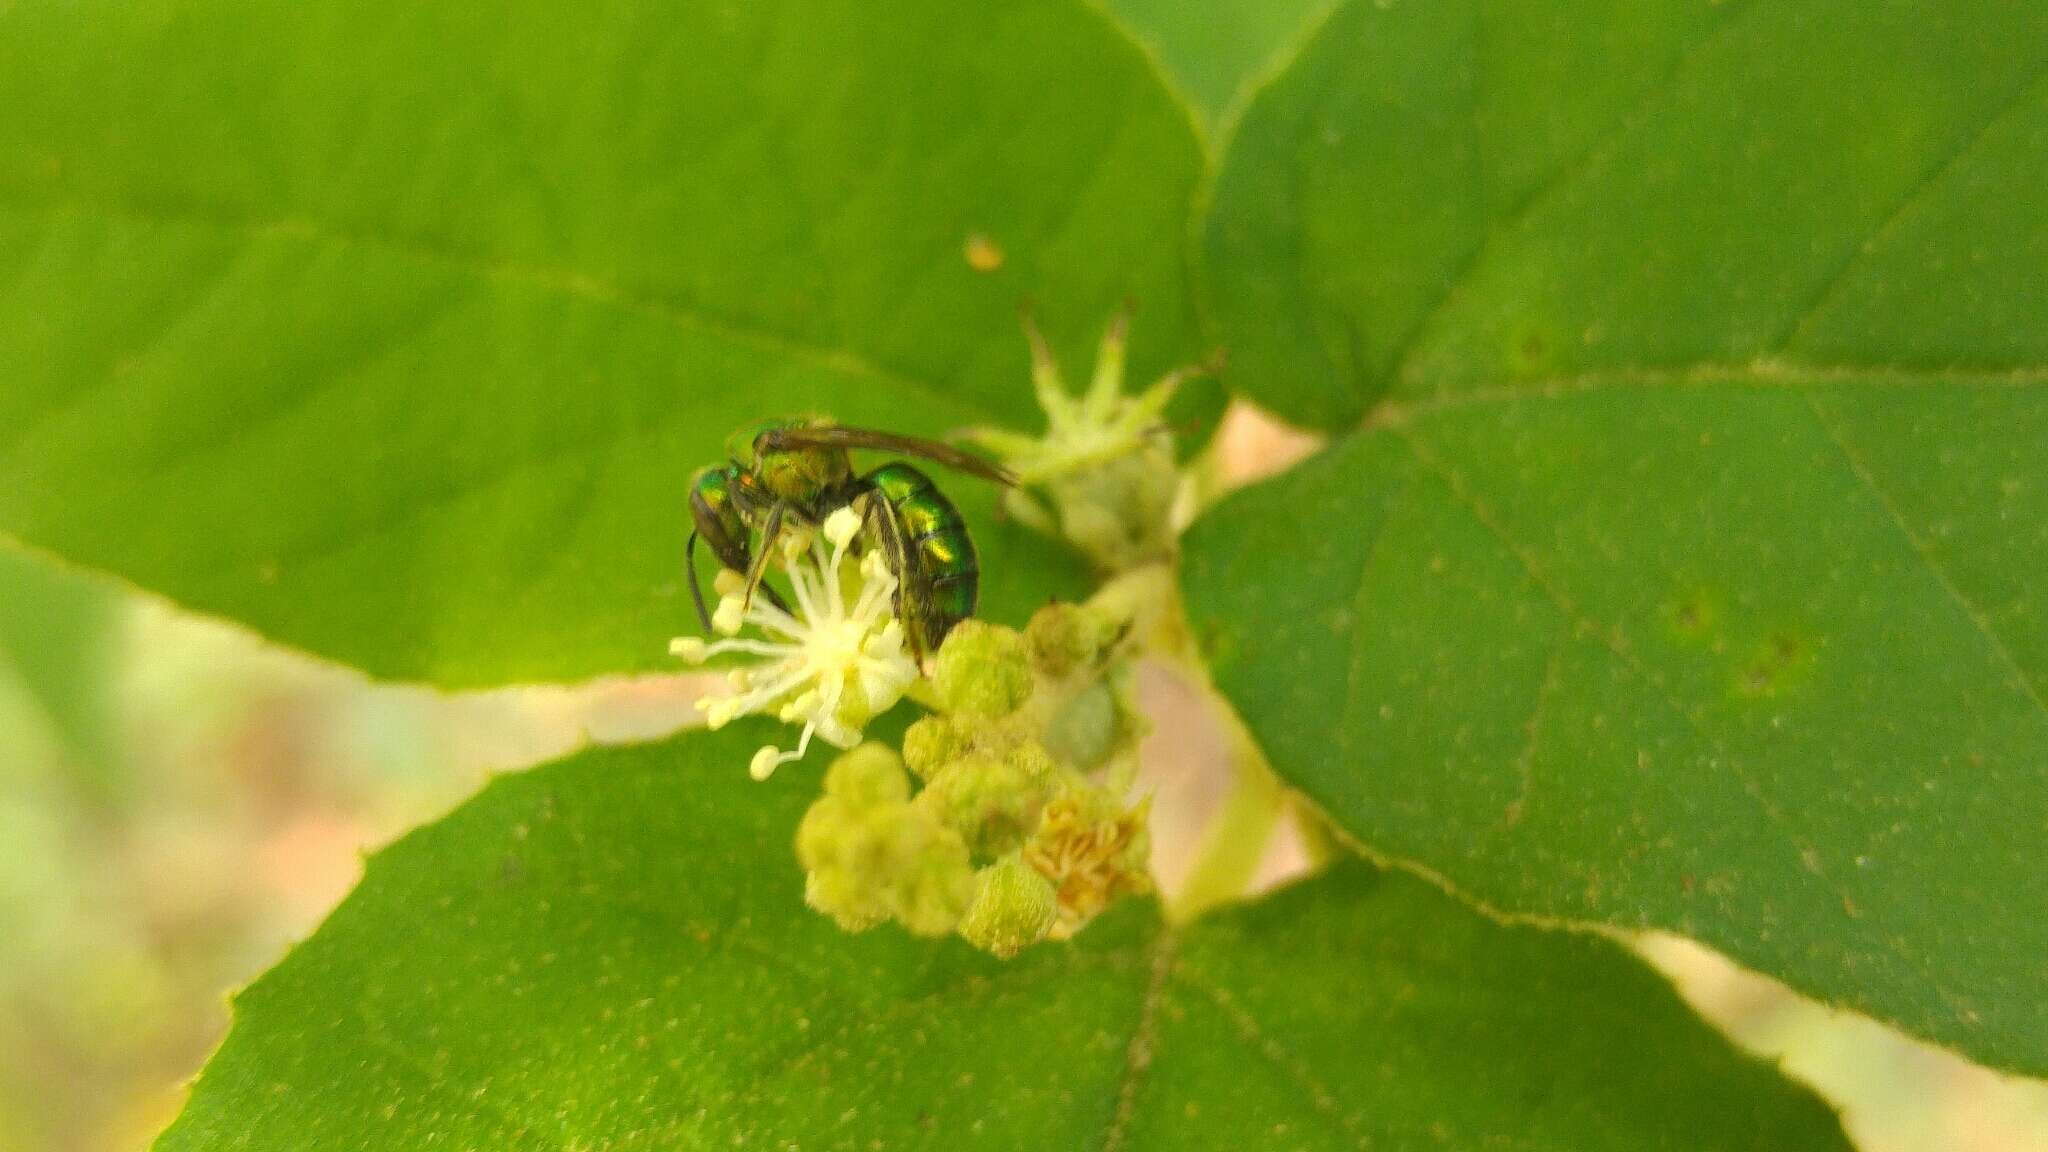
(1775, 664)
(1756, 679)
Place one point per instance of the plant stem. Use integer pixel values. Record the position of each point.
(1236, 839)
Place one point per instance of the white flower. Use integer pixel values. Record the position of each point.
(833, 665)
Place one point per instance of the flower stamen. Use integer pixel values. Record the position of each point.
(822, 666)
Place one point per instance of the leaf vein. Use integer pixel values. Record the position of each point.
(1296, 1070)
(1139, 1052)
(568, 283)
(1910, 199)
(166, 324)
(1766, 374)
(1925, 552)
(1805, 857)
(1525, 760)
(1571, 169)
(1354, 670)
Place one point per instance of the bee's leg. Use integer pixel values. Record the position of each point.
(769, 594)
(902, 567)
(696, 587)
(770, 530)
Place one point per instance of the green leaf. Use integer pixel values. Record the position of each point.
(612, 952)
(1755, 658)
(1215, 51)
(1684, 565)
(1449, 195)
(397, 332)
(58, 641)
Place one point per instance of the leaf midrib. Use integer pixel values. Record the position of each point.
(1769, 373)
(1763, 375)
(1925, 554)
(568, 284)
(564, 281)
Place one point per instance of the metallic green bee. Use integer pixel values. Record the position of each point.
(801, 471)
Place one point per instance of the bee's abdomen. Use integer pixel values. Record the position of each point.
(945, 582)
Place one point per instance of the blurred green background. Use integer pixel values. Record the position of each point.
(181, 801)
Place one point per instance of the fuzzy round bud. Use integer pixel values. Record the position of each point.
(839, 848)
(1085, 732)
(982, 670)
(830, 831)
(870, 858)
(932, 876)
(1013, 908)
(839, 895)
(992, 803)
(932, 743)
(1064, 638)
(1030, 757)
(868, 776)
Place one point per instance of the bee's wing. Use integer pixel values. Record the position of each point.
(841, 436)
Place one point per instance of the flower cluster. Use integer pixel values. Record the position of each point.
(1020, 831)
(1005, 818)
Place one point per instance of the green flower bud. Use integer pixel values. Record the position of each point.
(841, 896)
(982, 670)
(869, 775)
(1065, 638)
(827, 832)
(839, 853)
(872, 861)
(1120, 512)
(931, 744)
(934, 879)
(992, 803)
(1029, 757)
(1014, 907)
(1085, 732)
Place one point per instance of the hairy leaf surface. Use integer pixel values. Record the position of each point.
(613, 951)
(1443, 197)
(1756, 658)
(397, 332)
(1684, 558)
